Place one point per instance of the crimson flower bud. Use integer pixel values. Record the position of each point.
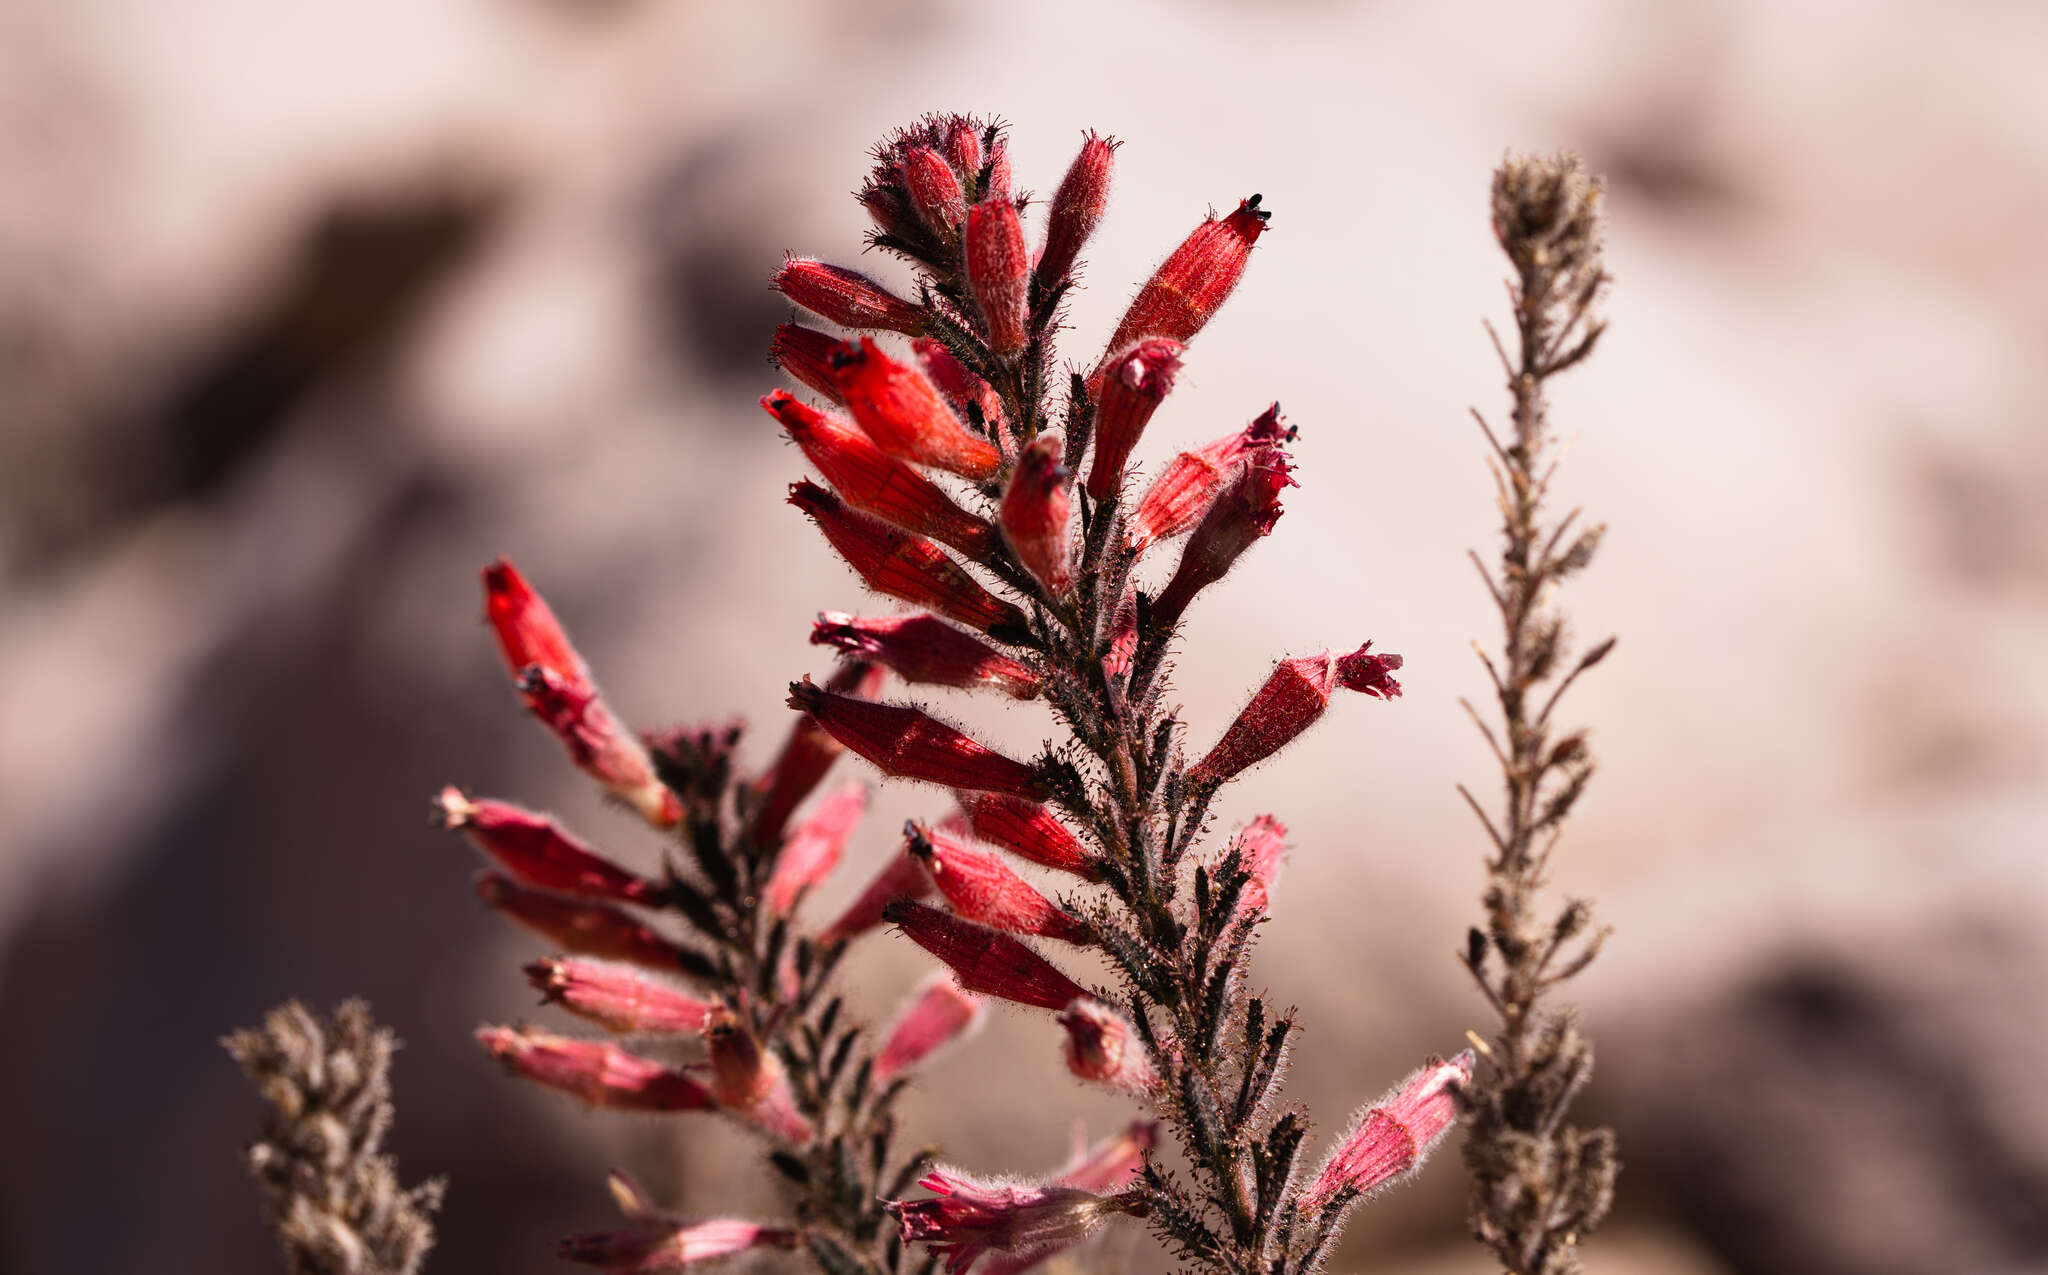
(592, 929)
(1035, 515)
(1192, 283)
(813, 850)
(970, 1216)
(615, 998)
(847, 297)
(1123, 638)
(597, 1071)
(750, 1081)
(985, 960)
(1029, 831)
(1260, 847)
(998, 172)
(935, 192)
(671, 1247)
(981, 888)
(1134, 382)
(1394, 1135)
(557, 688)
(1289, 703)
(1076, 209)
(890, 208)
(1185, 488)
(924, 649)
(902, 877)
(937, 1015)
(998, 271)
(536, 851)
(808, 754)
(904, 742)
(963, 145)
(900, 408)
(1101, 1048)
(1242, 512)
(904, 566)
(806, 354)
(875, 482)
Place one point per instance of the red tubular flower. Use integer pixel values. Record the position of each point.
(537, 852)
(1186, 487)
(982, 889)
(1195, 280)
(924, 649)
(1035, 515)
(1244, 511)
(937, 1016)
(806, 354)
(875, 482)
(1135, 382)
(592, 929)
(1394, 1135)
(902, 877)
(597, 1071)
(1077, 207)
(962, 388)
(985, 960)
(813, 850)
(972, 1216)
(808, 754)
(1100, 1048)
(999, 273)
(1105, 1169)
(675, 1247)
(1261, 846)
(557, 688)
(906, 743)
(749, 1081)
(616, 999)
(899, 407)
(935, 193)
(1289, 703)
(904, 566)
(847, 297)
(1029, 831)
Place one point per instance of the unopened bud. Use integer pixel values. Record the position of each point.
(537, 851)
(894, 562)
(596, 1071)
(925, 650)
(1134, 382)
(1036, 515)
(962, 389)
(847, 297)
(962, 144)
(1076, 208)
(908, 744)
(806, 354)
(981, 888)
(616, 998)
(999, 273)
(935, 192)
(985, 960)
(1102, 1048)
(897, 406)
(1289, 703)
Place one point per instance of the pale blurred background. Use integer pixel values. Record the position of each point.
(307, 310)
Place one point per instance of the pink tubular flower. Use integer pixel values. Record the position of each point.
(1260, 846)
(615, 998)
(806, 354)
(985, 960)
(899, 407)
(1395, 1134)
(813, 850)
(1242, 512)
(1192, 283)
(557, 688)
(906, 743)
(808, 753)
(924, 649)
(980, 888)
(1029, 831)
(536, 851)
(1135, 381)
(749, 1081)
(999, 273)
(592, 929)
(900, 878)
(1100, 1048)
(846, 297)
(647, 1249)
(596, 1071)
(1289, 703)
(1077, 207)
(1105, 1169)
(875, 482)
(1036, 515)
(972, 1216)
(962, 388)
(937, 1015)
(904, 566)
(1186, 487)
